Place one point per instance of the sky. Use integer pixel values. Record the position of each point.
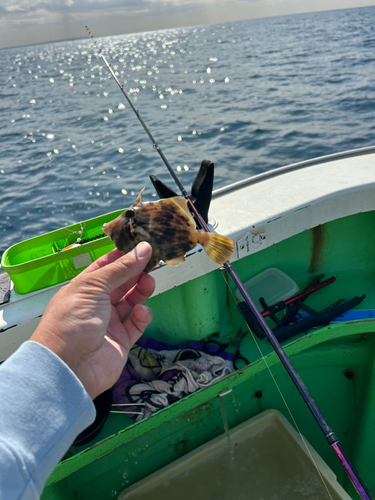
(26, 22)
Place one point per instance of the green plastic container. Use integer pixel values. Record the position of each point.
(41, 262)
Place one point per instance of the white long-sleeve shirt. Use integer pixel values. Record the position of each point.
(43, 407)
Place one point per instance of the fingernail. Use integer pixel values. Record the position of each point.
(142, 249)
(146, 309)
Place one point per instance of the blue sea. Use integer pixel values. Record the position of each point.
(250, 96)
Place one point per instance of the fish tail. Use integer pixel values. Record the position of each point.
(219, 248)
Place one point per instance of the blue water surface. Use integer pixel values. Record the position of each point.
(250, 96)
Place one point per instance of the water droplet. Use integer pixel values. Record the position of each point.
(178, 168)
(186, 168)
(123, 191)
(74, 146)
(51, 80)
(56, 151)
(110, 111)
(139, 149)
(179, 138)
(226, 79)
(208, 70)
(194, 132)
(32, 101)
(120, 150)
(50, 136)
(161, 96)
(212, 80)
(2, 171)
(105, 118)
(164, 106)
(121, 106)
(222, 129)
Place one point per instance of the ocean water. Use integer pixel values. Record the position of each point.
(250, 96)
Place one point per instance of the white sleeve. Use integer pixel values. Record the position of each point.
(43, 407)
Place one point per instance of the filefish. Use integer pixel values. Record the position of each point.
(169, 228)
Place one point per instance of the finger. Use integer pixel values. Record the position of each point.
(138, 322)
(128, 266)
(137, 295)
(103, 261)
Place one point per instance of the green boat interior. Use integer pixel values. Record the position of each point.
(334, 361)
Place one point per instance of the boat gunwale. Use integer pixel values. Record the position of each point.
(350, 153)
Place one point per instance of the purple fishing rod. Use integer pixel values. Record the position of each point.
(331, 437)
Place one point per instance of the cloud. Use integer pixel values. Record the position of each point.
(21, 13)
(34, 21)
(23, 8)
(21, 20)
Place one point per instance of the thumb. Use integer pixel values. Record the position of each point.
(124, 268)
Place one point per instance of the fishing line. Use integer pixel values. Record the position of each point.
(283, 398)
(321, 421)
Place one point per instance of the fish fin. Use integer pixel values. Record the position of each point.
(139, 198)
(219, 248)
(175, 262)
(182, 205)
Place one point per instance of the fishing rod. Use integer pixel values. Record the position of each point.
(330, 436)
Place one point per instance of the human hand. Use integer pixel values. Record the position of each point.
(93, 322)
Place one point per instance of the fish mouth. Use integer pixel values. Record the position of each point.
(105, 229)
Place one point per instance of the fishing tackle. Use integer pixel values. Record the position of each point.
(330, 436)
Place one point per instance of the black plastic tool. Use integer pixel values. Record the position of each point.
(201, 189)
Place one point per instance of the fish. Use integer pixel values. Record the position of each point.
(168, 226)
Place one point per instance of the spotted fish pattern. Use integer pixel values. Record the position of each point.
(169, 228)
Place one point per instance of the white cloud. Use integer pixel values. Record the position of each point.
(20, 20)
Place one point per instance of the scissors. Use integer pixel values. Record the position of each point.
(215, 348)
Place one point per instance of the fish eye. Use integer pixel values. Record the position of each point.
(129, 213)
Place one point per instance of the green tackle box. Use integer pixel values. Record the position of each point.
(44, 261)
